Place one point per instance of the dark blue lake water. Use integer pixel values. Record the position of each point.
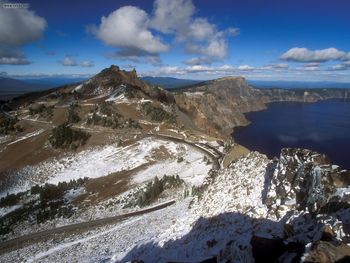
(323, 126)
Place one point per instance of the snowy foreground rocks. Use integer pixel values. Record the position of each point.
(290, 209)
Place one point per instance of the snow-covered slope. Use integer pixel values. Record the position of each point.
(251, 211)
(232, 221)
(104, 160)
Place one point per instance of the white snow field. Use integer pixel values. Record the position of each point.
(104, 160)
(178, 231)
(229, 212)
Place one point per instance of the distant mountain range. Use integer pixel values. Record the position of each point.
(11, 87)
(297, 84)
(14, 85)
(54, 81)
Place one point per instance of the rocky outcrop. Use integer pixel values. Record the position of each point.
(113, 81)
(325, 252)
(219, 105)
(304, 180)
(291, 208)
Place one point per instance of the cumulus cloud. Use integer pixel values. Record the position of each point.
(17, 28)
(132, 30)
(127, 27)
(11, 56)
(298, 54)
(68, 61)
(20, 26)
(245, 67)
(87, 64)
(215, 49)
(172, 16)
(199, 35)
(197, 61)
(201, 69)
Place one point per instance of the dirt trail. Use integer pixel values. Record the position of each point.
(26, 240)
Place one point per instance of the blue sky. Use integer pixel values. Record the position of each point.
(198, 39)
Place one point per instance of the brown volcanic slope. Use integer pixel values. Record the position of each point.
(219, 105)
(213, 107)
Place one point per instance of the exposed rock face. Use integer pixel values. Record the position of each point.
(305, 180)
(113, 82)
(218, 106)
(287, 209)
(325, 252)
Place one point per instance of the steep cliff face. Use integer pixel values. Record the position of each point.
(218, 106)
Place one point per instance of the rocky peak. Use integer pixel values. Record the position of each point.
(112, 82)
(115, 76)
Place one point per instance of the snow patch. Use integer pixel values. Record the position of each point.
(27, 136)
(6, 210)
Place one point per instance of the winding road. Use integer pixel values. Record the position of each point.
(26, 240)
(22, 241)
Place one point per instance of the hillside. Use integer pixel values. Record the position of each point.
(114, 169)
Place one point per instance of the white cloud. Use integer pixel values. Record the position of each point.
(245, 67)
(309, 72)
(279, 66)
(298, 54)
(215, 49)
(13, 61)
(68, 61)
(172, 16)
(11, 56)
(87, 64)
(195, 69)
(199, 36)
(197, 61)
(127, 27)
(343, 66)
(20, 26)
(201, 29)
(17, 28)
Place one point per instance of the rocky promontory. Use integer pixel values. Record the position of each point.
(217, 106)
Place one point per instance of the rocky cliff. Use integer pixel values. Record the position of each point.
(218, 106)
